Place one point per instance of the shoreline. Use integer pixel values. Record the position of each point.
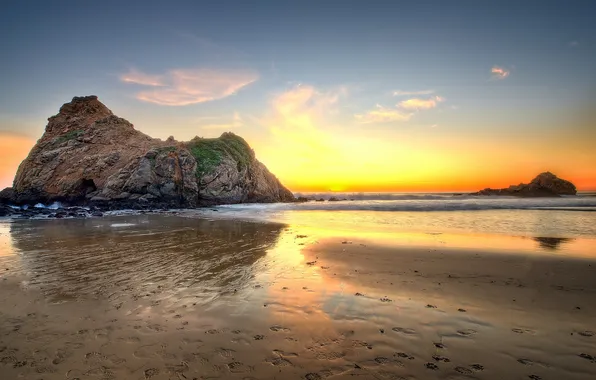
(166, 296)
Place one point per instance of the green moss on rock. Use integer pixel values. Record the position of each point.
(70, 135)
(209, 153)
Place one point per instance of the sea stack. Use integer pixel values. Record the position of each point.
(543, 185)
(89, 156)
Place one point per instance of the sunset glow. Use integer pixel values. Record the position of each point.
(340, 105)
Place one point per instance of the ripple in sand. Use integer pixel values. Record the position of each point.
(466, 332)
(404, 330)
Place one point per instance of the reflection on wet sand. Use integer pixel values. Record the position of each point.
(147, 254)
(165, 297)
(552, 243)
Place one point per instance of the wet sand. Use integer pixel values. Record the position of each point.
(166, 297)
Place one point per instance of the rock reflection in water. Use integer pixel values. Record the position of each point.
(141, 255)
(551, 243)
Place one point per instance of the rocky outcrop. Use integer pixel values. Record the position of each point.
(544, 185)
(89, 156)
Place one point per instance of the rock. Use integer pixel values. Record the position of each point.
(302, 199)
(333, 199)
(89, 156)
(7, 196)
(544, 185)
(5, 210)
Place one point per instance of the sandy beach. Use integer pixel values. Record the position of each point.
(169, 297)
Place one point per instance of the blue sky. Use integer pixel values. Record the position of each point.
(466, 72)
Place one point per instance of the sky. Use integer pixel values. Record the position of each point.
(332, 95)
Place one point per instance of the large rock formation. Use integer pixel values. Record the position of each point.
(87, 155)
(544, 185)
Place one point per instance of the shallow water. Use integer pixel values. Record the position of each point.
(173, 297)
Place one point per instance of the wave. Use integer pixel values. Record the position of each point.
(429, 202)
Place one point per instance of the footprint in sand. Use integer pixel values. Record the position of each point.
(385, 299)
(382, 360)
(440, 358)
(523, 331)
(431, 366)
(286, 354)
(588, 357)
(404, 356)
(525, 361)
(463, 370)
(477, 367)
(587, 333)
(149, 373)
(238, 367)
(226, 352)
(277, 328)
(466, 332)
(278, 361)
(313, 376)
(259, 337)
(439, 345)
(404, 330)
(535, 377)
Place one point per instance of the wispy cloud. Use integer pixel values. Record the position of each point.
(137, 77)
(383, 115)
(412, 93)
(403, 111)
(236, 122)
(189, 86)
(499, 72)
(420, 104)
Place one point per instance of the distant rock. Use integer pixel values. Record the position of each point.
(544, 185)
(89, 156)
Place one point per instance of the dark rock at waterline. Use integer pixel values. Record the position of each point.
(89, 156)
(543, 185)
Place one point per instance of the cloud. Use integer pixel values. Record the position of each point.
(412, 93)
(190, 86)
(573, 44)
(137, 77)
(499, 72)
(236, 122)
(383, 115)
(420, 104)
